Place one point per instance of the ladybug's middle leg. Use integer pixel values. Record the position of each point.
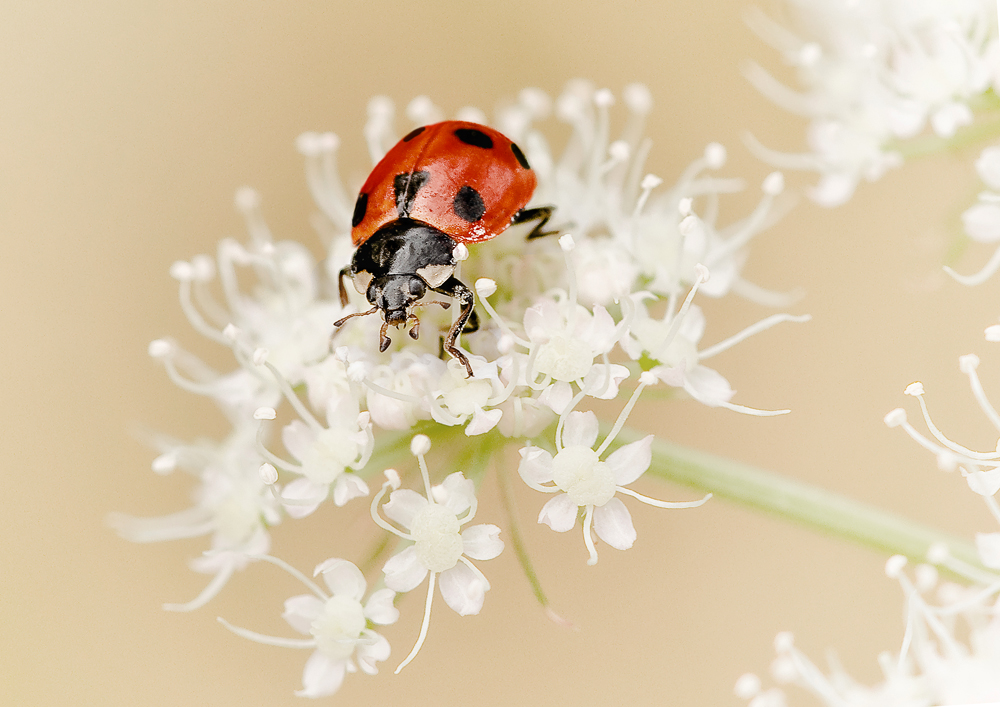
(453, 287)
(542, 214)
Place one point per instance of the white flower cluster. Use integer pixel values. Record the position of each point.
(982, 221)
(873, 73)
(564, 320)
(951, 648)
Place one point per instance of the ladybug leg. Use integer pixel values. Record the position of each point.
(453, 287)
(384, 339)
(473, 324)
(542, 214)
(340, 285)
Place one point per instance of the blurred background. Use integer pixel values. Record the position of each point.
(125, 129)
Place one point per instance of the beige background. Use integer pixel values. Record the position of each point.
(125, 128)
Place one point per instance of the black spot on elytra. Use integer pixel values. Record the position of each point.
(412, 134)
(469, 204)
(407, 185)
(360, 209)
(476, 138)
(519, 155)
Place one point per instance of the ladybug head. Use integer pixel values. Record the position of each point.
(394, 295)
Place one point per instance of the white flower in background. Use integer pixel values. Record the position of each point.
(440, 547)
(586, 483)
(872, 74)
(982, 221)
(338, 625)
(232, 504)
(949, 654)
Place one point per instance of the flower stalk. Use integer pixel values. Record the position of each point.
(799, 502)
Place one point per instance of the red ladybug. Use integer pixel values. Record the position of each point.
(441, 185)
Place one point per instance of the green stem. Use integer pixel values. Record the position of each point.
(799, 502)
(975, 134)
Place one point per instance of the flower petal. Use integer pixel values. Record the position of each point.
(321, 676)
(708, 386)
(298, 438)
(988, 547)
(629, 462)
(370, 653)
(380, 609)
(403, 505)
(343, 578)
(302, 496)
(559, 513)
(456, 493)
(463, 590)
(580, 429)
(404, 572)
(596, 381)
(613, 524)
(536, 465)
(348, 486)
(483, 421)
(557, 397)
(301, 610)
(482, 542)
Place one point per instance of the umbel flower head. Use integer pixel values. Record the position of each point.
(601, 311)
(950, 652)
(873, 74)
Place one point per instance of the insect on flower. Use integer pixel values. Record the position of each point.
(440, 187)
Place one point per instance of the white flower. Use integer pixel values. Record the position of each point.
(440, 547)
(583, 481)
(875, 72)
(982, 221)
(338, 625)
(949, 656)
(232, 504)
(672, 343)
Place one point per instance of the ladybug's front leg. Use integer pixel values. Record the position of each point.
(453, 287)
(542, 214)
(340, 285)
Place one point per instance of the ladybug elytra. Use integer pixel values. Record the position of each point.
(441, 185)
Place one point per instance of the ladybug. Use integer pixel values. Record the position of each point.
(442, 185)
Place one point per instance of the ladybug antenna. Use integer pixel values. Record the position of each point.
(340, 322)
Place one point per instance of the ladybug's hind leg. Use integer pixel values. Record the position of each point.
(542, 214)
(453, 287)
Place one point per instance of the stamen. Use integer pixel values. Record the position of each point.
(392, 481)
(194, 317)
(588, 540)
(644, 380)
(760, 326)
(292, 398)
(918, 393)
(423, 626)
(988, 271)
(209, 592)
(278, 562)
(420, 445)
(268, 640)
(968, 366)
(662, 504)
(485, 288)
(675, 324)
